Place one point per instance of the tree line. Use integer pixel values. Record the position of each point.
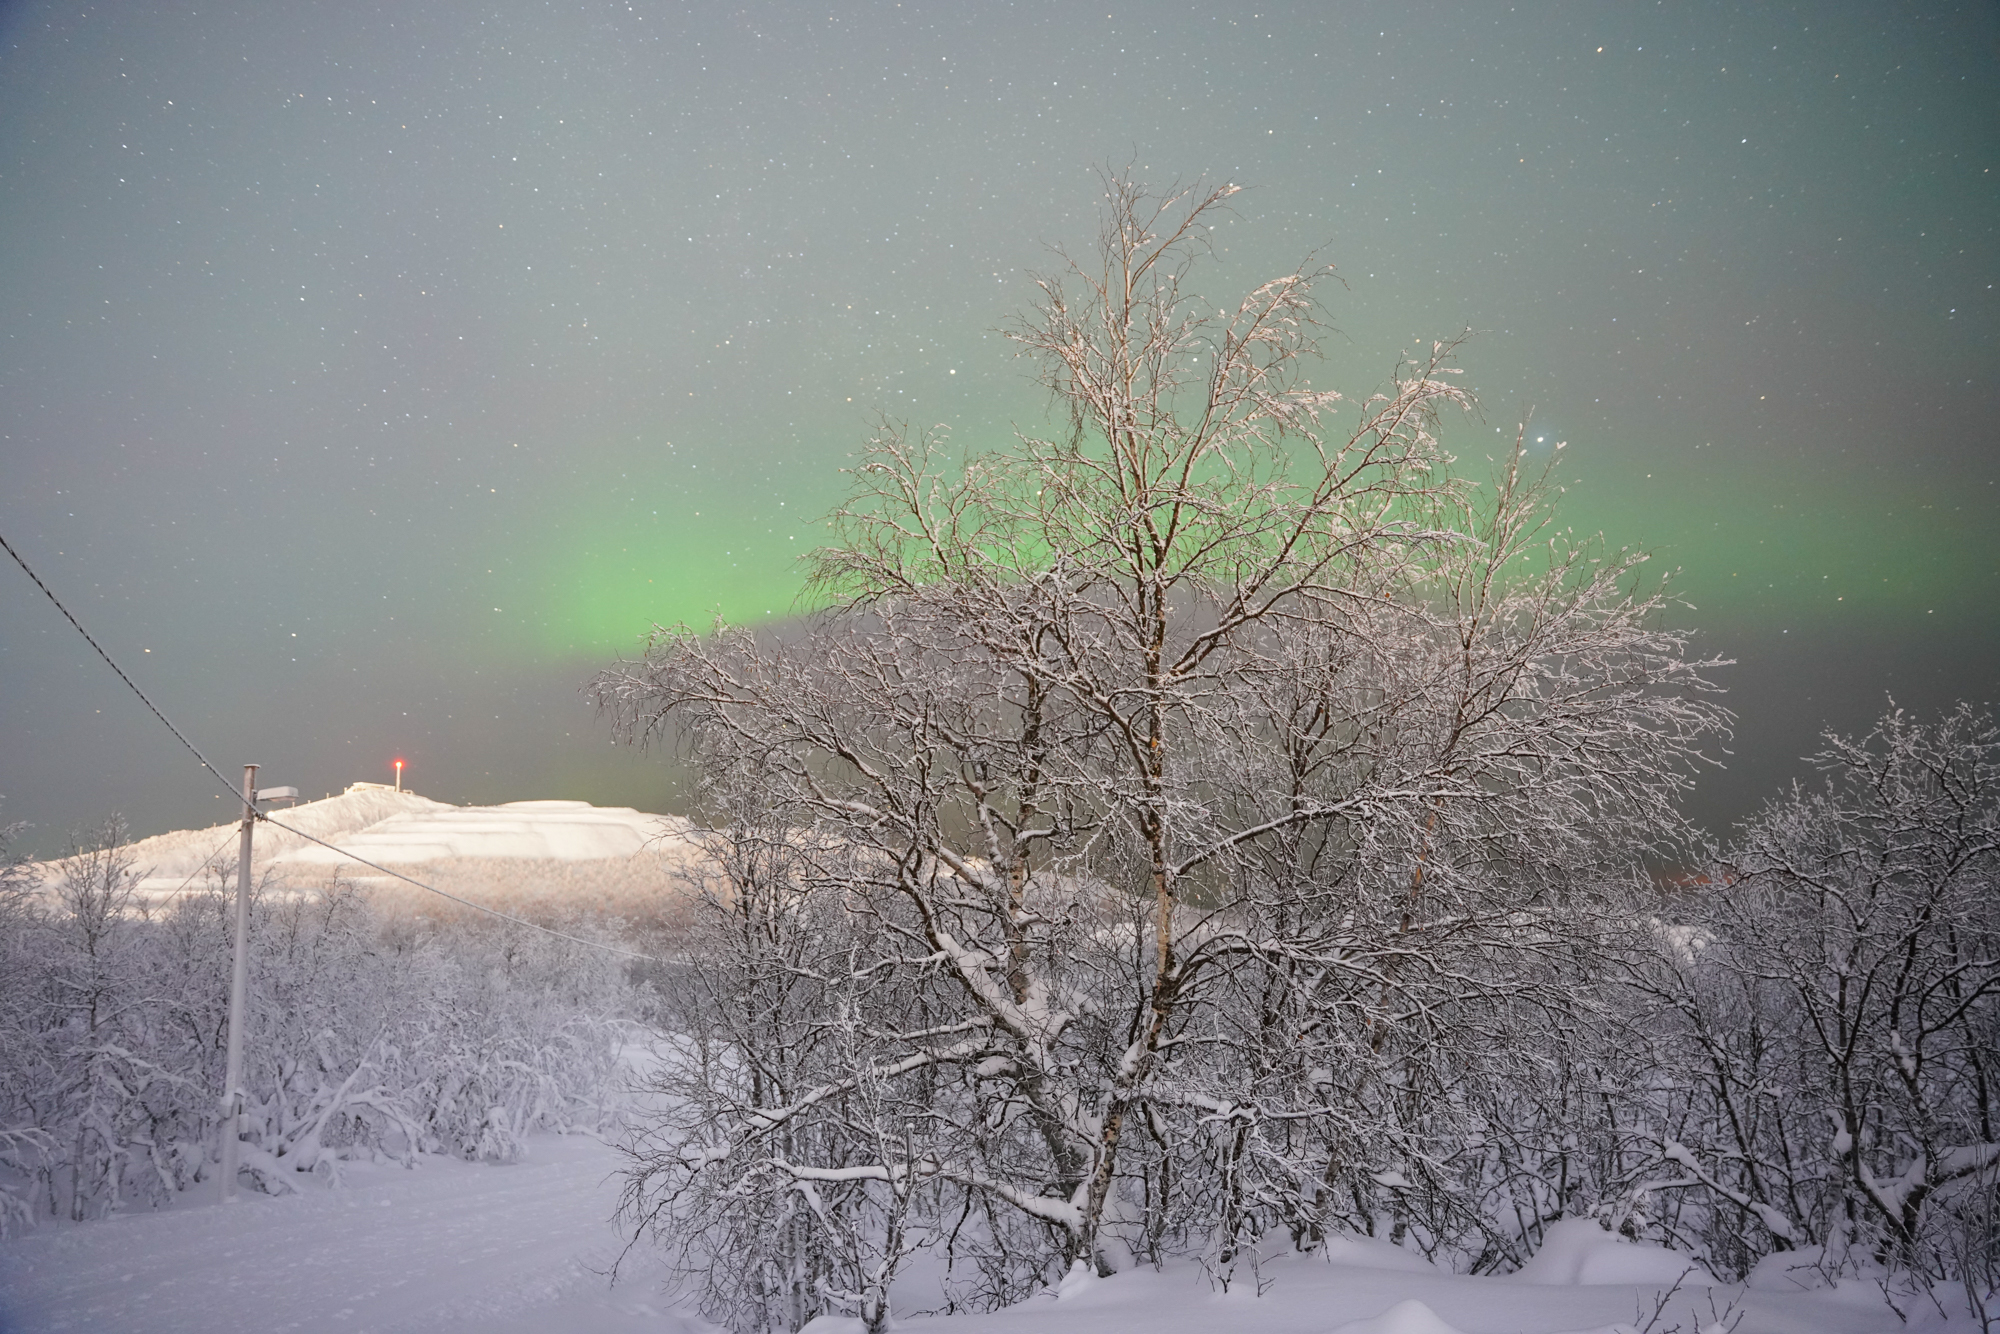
(372, 1033)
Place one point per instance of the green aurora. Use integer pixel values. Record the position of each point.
(371, 377)
(1831, 556)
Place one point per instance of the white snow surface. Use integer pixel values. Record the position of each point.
(1577, 1250)
(449, 1246)
(403, 829)
(1362, 1290)
(456, 1247)
(547, 830)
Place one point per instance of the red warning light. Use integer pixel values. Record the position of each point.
(399, 775)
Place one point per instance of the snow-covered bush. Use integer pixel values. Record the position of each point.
(96, 1075)
(770, 1074)
(1826, 1014)
(367, 1035)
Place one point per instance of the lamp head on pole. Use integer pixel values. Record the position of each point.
(399, 775)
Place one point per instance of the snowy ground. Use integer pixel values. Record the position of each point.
(450, 1246)
(1370, 1289)
(523, 1248)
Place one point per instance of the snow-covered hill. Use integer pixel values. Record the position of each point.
(548, 830)
(523, 850)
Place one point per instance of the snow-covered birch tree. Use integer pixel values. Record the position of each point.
(1194, 765)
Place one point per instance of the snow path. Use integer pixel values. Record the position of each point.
(448, 1246)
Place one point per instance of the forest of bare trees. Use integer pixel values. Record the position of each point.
(1229, 819)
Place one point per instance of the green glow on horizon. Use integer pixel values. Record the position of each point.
(690, 554)
(1813, 551)
(1823, 551)
(606, 592)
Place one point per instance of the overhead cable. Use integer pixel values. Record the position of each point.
(231, 789)
(477, 907)
(204, 864)
(227, 786)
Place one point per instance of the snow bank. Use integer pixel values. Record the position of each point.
(1802, 1270)
(1577, 1251)
(1371, 1253)
(1374, 1289)
(1405, 1317)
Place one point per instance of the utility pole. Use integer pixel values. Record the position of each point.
(239, 977)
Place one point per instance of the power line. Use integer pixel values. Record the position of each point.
(227, 786)
(204, 864)
(477, 907)
(490, 912)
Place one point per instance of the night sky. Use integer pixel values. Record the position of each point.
(371, 374)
